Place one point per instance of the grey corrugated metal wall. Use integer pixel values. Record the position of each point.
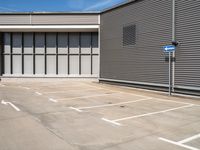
(61, 19)
(51, 54)
(1, 54)
(144, 62)
(187, 72)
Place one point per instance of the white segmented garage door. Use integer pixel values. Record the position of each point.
(71, 54)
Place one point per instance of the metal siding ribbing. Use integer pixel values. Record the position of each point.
(1, 54)
(65, 19)
(143, 62)
(25, 19)
(187, 73)
(14, 19)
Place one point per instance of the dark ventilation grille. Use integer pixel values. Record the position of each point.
(129, 35)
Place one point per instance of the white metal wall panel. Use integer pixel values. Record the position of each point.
(6, 43)
(95, 64)
(86, 43)
(17, 43)
(17, 64)
(62, 65)
(39, 64)
(74, 43)
(86, 65)
(28, 43)
(39, 43)
(28, 64)
(62, 43)
(74, 65)
(51, 65)
(51, 43)
(95, 45)
(7, 64)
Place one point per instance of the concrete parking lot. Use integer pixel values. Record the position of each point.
(58, 114)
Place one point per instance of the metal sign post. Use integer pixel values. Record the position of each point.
(170, 92)
(169, 49)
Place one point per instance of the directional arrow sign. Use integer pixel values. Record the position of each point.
(169, 48)
(11, 104)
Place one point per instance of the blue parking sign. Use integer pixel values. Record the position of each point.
(169, 48)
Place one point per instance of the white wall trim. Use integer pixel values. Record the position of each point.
(10, 28)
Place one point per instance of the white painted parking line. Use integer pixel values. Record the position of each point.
(69, 90)
(97, 95)
(38, 93)
(178, 144)
(109, 105)
(110, 121)
(172, 101)
(73, 108)
(54, 92)
(190, 139)
(154, 113)
(23, 87)
(53, 100)
(11, 104)
(148, 114)
(2, 85)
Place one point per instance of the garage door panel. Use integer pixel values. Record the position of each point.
(62, 43)
(51, 43)
(28, 43)
(17, 64)
(74, 43)
(95, 64)
(85, 64)
(7, 43)
(17, 43)
(74, 65)
(51, 53)
(7, 64)
(28, 64)
(95, 46)
(51, 64)
(39, 64)
(62, 65)
(86, 43)
(39, 43)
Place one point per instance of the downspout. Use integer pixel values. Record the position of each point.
(99, 44)
(173, 39)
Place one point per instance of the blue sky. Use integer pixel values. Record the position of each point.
(56, 5)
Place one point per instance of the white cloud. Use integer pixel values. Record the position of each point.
(6, 9)
(99, 5)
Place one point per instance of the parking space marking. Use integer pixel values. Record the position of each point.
(178, 144)
(109, 105)
(11, 104)
(149, 114)
(190, 139)
(53, 100)
(38, 93)
(112, 122)
(76, 109)
(166, 100)
(71, 90)
(97, 95)
(23, 87)
(154, 113)
(2, 85)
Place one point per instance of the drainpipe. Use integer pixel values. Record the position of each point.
(173, 39)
